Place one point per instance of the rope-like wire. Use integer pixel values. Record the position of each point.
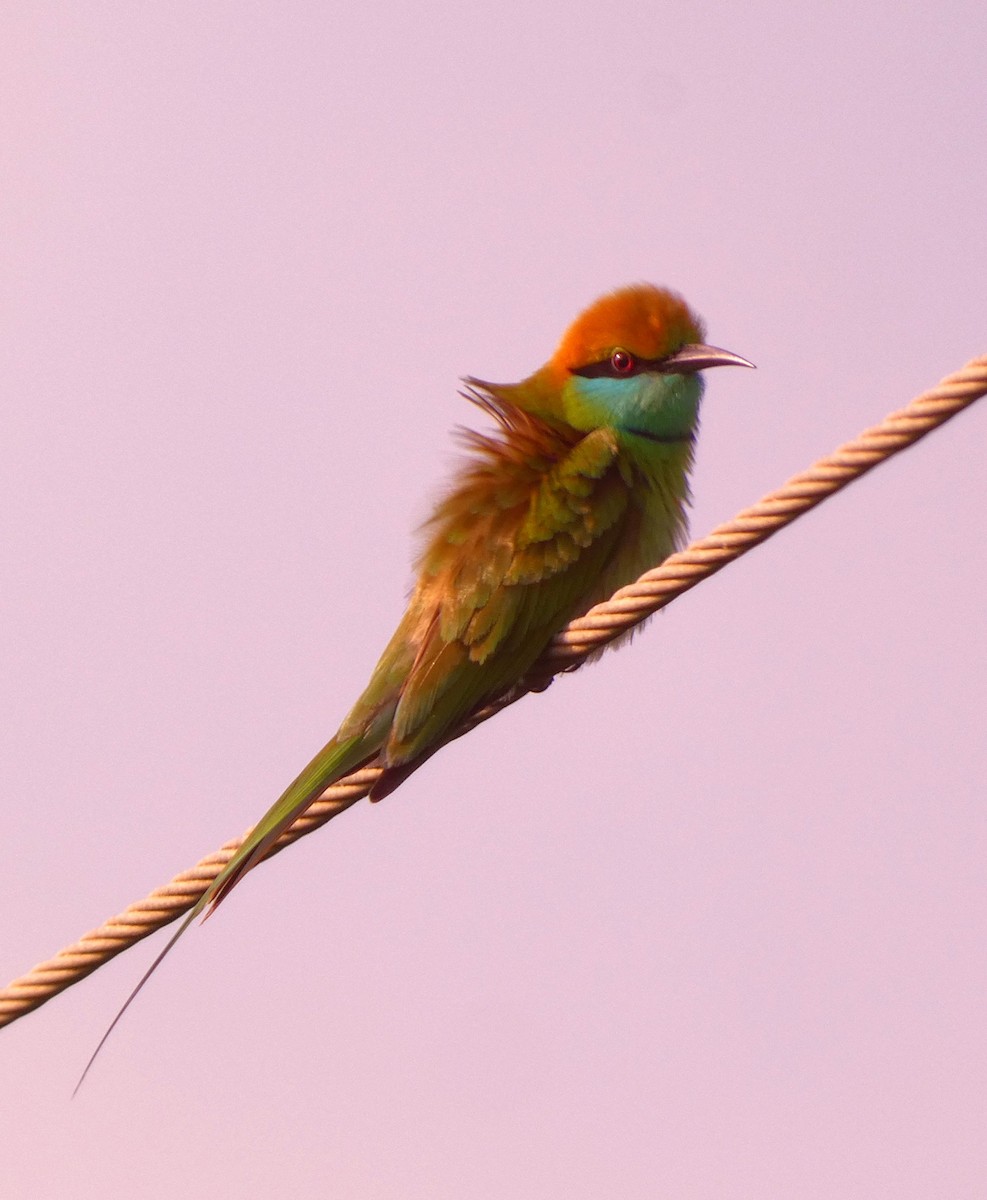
(607, 621)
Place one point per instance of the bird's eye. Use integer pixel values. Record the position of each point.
(622, 362)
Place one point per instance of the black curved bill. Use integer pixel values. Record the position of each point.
(697, 357)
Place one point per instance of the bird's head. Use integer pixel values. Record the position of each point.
(630, 362)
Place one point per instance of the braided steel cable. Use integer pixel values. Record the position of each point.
(626, 608)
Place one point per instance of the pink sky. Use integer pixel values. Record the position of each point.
(708, 919)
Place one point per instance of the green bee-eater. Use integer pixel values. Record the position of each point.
(582, 486)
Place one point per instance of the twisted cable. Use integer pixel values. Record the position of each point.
(626, 608)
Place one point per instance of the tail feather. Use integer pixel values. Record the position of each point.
(334, 761)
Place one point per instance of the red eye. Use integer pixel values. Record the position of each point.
(622, 362)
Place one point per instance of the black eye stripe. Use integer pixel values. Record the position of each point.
(604, 369)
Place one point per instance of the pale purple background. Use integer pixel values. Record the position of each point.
(708, 919)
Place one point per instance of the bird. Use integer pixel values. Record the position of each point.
(580, 487)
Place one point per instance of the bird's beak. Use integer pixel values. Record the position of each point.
(697, 358)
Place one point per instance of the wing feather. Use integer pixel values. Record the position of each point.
(513, 553)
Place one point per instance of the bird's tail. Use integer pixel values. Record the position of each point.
(336, 759)
(332, 762)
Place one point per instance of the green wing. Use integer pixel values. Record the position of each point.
(515, 553)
